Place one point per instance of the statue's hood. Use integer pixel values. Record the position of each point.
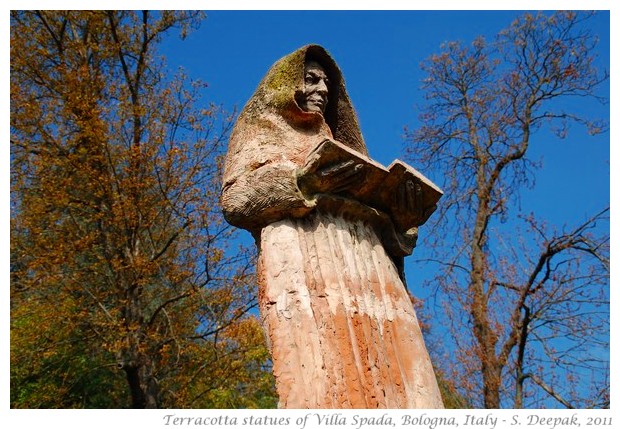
(283, 84)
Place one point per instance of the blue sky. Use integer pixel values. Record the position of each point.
(379, 53)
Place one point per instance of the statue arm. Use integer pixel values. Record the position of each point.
(264, 195)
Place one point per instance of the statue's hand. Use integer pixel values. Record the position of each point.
(409, 199)
(334, 179)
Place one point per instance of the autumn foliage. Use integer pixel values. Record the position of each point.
(125, 288)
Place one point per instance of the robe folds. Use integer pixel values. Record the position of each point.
(339, 322)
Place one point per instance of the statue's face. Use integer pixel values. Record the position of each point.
(314, 97)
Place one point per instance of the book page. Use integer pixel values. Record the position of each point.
(381, 188)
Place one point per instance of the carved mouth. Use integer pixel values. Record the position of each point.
(319, 102)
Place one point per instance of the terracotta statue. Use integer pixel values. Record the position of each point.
(332, 228)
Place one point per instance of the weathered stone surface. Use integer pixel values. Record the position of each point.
(342, 329)
(340, 325)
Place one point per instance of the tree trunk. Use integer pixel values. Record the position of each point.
(483, 332)
(520, 358)
(142, 386)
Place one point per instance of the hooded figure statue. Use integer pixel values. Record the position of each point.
(338, 320)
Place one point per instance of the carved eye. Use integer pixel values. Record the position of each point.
(311, 79)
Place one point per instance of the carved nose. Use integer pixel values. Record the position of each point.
(322, 88)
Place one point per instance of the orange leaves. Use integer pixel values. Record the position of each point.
(116, 245)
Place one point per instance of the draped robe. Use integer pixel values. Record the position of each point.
(339, 322)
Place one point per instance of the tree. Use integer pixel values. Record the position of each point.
(125, 290)
(528, 302)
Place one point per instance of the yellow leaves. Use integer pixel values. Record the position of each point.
(114, 177)
(216, 256)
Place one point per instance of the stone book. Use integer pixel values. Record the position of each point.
(381, 187)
